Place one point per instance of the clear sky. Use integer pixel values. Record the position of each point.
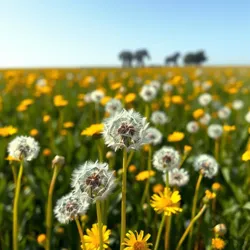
(92, 32)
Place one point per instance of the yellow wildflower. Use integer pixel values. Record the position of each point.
(176, 136)
(94, 129)
(144, 175)
(132, 168)
(216, 186)
(92, 239)
(7, 131)
(228, 128)
(198, 113)
(59, 101)
(218, 243)
(136, 241)
(68, 124)
(210, 195)
(34, 132)
(177, 99)
(166, 202)
(130, 97)
(46, 118)
(41, 239)
(246, 156)
(157, 188)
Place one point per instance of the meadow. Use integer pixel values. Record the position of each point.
(156, 158)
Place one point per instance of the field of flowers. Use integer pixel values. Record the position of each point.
(154, 158)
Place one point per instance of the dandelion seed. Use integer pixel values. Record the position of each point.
(177, 177)
(148, 93)
(153, 136)
(159, 118)
(215, 131)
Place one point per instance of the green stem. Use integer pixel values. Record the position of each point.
(217, 149)
(147, 111)
(80, 233)
(15, 209)
(146, 190)
(100, 152)
(49, 208)
(159, 233)
(124, 190)
(194, 207)
(190, 226)
(99, 219)
(130, 157)
(167, 233)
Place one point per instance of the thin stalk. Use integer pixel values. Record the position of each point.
(167, 233)
(80, 231)
(190, 226)
(146, 190)
(49, 208)
(99, 219)
(124, 190)
(147, 111)
(159, 233)
(130, 157)
(15, 208)
(97, 112)
(194, 207)
(217, 149)
(13, 168)
(100, 151)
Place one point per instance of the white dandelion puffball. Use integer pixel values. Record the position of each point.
(159, 118)
(247, 117)
(167, 87)
(205, 119)
(87, 98)
(177, 177)
(155, 84)
(192, 127)
(23, 147)
(96, 96)
(166, 158)
(41, 82)
(237, 104)
(148, 93)
(93, 178)
(70, 207)
(126, 129)
(206, 85)
(113, 106)
(207, 165)
(153, 136)
(214, 131)
(204, 99)
(224, 113)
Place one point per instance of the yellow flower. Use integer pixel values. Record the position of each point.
(166, 202)
(210, 195)
(8, 130)
(59, 101)
(92, 239)
(246, 156)
(187, 149)
(94, 129)
(218, 243)
(68, 124)
(105, 99)
(157, 188)
(130, 97)
(21, 108)
(132, 168)
(41, 239)
(136, 241)
(10, 158)
(116, 85)
(228, 128)
(46, 118)
(63, 132)
(176, 136)
(177, 99)
(27, 102)
(46, 152)
(144, 175)
(216, 186)
(198, 113)
(34, 132)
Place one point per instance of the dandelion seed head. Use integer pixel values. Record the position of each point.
(192, 127)
(126, 129)
(23, 147)
(177, 177)
(224, 113)
(113, 106)
(70, 206)
(204, 99)
(159, 118)
(153, 136)
(215, 131)
(93, 178)
(207, 165)
(148, 93)
(166, 158)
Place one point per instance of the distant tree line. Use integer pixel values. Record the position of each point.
(192, 58)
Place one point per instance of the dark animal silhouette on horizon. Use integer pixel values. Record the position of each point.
(173, 59)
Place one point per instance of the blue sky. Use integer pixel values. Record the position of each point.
(39, 33)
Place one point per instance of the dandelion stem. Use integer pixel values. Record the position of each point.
(194, 207)
(80, 231)
(124, 190)
(168, 228)
(100, 152)
(99, 219)
(130, 157)
(190, 226)
(13, 168)
(146, 190)
(217, 149)
(15, 208)
(159, 233)
(49, 208)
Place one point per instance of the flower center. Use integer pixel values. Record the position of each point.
(140, 245)
(93, 180)
(126, 129)
(167, 159)
(166, 203)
